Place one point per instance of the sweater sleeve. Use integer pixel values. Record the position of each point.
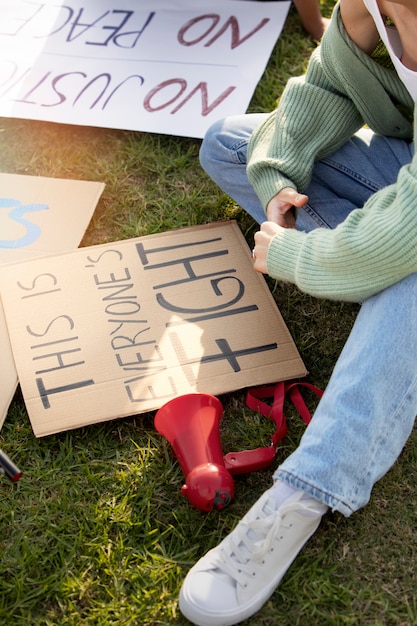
(320, 111)
(317, 123)
(375, 247)
(313, 119)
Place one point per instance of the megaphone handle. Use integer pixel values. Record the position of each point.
(249, 460)
(260, 458)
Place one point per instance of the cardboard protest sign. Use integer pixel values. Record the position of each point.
(38, 216)
(118, 329)
(160, 66)
(8, 374)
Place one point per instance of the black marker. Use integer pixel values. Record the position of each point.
(9, 468)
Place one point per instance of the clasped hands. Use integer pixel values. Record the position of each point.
(280, 214)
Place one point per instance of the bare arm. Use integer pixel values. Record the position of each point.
(311, 17)
(359, 24)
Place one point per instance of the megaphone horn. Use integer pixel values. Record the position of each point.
(191, 425)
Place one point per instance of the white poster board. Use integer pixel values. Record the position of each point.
(163, 66)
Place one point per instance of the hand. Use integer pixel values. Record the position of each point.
(262, 240)
(280, 208)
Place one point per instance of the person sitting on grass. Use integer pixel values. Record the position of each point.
(331, 176)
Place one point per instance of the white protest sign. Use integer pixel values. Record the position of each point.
(118, 329)
(38, 216)
(163, 66)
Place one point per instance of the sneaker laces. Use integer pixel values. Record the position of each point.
(252, 540)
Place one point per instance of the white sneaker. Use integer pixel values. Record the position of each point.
(232, 581)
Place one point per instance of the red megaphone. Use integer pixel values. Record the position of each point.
(191, 425)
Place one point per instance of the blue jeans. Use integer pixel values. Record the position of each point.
(368, 409)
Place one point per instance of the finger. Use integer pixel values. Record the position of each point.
(292, 197)
(259, 265)
(267, 228)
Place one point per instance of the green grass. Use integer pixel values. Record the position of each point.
(96, 532)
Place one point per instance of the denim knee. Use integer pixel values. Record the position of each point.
(210, 145)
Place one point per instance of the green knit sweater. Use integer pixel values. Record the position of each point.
(342, 90)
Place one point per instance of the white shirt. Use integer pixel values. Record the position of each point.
(391, 39)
